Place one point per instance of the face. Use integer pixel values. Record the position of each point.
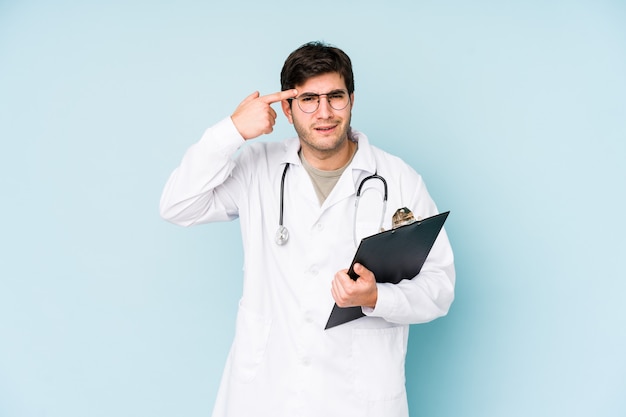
(323, 133)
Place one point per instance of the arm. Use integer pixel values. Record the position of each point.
(424, 298)
(421, 299)
(191, 194)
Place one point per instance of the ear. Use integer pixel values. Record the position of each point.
(351, 100)
(287, 110)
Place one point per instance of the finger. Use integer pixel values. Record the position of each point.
(248, 99)
(339, 278)
(360, 270)
(338, 293)
(361, 273)
(333, 290)
(271, 122)
(281, 95)
(251, 97)
(335, 285)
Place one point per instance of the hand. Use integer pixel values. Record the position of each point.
(255, 116)
(349, 293)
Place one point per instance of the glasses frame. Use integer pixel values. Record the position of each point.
(319, 99)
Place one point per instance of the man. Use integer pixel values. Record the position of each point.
(282, 361)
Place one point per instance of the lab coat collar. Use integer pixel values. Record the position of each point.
(364, 158)
(290, 156)
(363, 164)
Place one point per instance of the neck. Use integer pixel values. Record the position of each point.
(329, 161)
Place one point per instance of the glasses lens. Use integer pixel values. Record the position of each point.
(338, 100)
(309, 103)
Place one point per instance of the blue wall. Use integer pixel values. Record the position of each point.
(514, 112)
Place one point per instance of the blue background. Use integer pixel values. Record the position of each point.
(514, 112)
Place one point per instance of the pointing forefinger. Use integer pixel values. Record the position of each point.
(281, 95)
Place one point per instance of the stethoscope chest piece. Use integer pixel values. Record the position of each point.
(282, 235)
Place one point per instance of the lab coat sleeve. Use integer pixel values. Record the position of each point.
(424, 298)
(428, 295)
(202, 188)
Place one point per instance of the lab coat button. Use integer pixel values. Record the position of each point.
(319, 227)
(306, 361)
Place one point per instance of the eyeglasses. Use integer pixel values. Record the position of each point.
(310, 102)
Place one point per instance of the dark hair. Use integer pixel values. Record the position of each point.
(313, 59)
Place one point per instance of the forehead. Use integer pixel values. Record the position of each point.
(323, 83)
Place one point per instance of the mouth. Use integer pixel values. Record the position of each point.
(325, 129)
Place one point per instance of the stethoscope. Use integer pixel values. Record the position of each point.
(282, 234)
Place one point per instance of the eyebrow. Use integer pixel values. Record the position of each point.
(308, 93)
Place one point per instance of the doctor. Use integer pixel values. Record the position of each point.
(282, 362)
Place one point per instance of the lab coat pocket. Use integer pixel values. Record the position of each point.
(379, 356)
(251, 335)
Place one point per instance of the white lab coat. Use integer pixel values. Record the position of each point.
(282, 362)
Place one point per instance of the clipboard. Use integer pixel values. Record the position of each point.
(392, 256)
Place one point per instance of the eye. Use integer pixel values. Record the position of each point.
(308, 99)
(336, 96)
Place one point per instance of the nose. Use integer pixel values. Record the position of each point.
(324, 111)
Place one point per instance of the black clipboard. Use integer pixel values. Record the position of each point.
(392, 256)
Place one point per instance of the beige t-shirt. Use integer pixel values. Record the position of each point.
(323, 181)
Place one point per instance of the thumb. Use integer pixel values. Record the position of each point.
(359, 269)
(251, 97)
(363, 272)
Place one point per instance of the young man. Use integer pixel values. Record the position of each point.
(282, 361)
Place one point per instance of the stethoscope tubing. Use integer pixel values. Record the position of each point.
(282, 234)
(282, 194)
